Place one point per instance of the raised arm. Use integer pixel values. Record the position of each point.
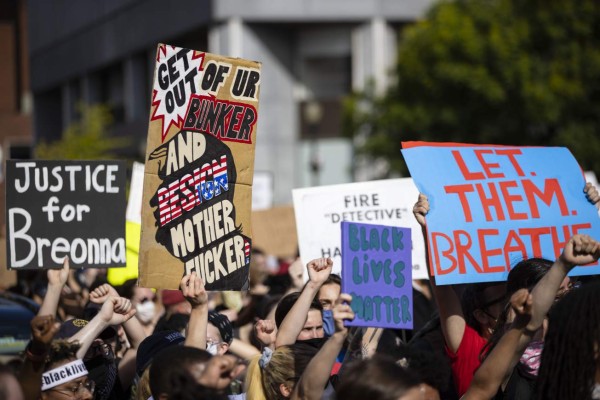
(193, 290)
(579, 250)
(498, 365)
(133, 329)
(530, 311)
(451, 316)
(266, 332)
(314, 378)
(370, 341)
(43, 329)
(243, 350)
(115, 311)
(57, 278)
(292, 324)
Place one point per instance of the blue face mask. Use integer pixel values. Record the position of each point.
(328, 323)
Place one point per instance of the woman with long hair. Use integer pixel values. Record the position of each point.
(571, 356)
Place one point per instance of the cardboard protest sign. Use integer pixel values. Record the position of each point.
(65, 208)
(199, 167)
(274, 231)
(492, 206)
(376, 272)
(320, 210)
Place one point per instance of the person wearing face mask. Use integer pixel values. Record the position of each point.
(206, 329)
(145, 311)
(99, 359)
(299, 316)
(177, 310)
(219, 334)
(312, 332)
(327, 296)
(144, 302)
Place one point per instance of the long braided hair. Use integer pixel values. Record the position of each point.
(570, 355)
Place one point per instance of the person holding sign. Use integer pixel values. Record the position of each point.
(295, 371)
(530, 312)
(579, 250)
(464, 341)
(316, 376)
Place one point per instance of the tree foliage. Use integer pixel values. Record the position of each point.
(86, 139)
(520, 72)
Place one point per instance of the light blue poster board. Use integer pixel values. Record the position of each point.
(493, 206)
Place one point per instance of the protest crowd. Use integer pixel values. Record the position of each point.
(534, 336)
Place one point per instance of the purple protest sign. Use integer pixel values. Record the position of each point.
(377, 272)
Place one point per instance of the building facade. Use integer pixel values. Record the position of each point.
(313, 53)
(15, 95)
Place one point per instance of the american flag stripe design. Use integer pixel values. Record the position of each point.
(178, 195)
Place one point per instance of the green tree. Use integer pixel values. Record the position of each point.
(86, 139)
(520, 72)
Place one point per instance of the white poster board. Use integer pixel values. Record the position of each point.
(319, 211)
(136, 188)
(590, 177)
(262, 191)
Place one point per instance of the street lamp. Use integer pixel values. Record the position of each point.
(313, 113)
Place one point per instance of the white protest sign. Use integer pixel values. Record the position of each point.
(319, 211)
(590, 176)
(262, 191)
(136, 188)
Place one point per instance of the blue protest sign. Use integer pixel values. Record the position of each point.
(376, 271)
(493, 206)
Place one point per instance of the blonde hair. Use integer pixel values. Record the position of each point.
(264, 383)
(143, 387)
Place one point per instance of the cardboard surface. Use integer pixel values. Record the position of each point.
(274, 231)
(493, 206)
(196, 205)
(376, 272)
(320, 210)
(65, 208)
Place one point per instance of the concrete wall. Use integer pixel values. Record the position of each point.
(319, 10)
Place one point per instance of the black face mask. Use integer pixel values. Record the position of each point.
(317, 343)
(102, 369)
